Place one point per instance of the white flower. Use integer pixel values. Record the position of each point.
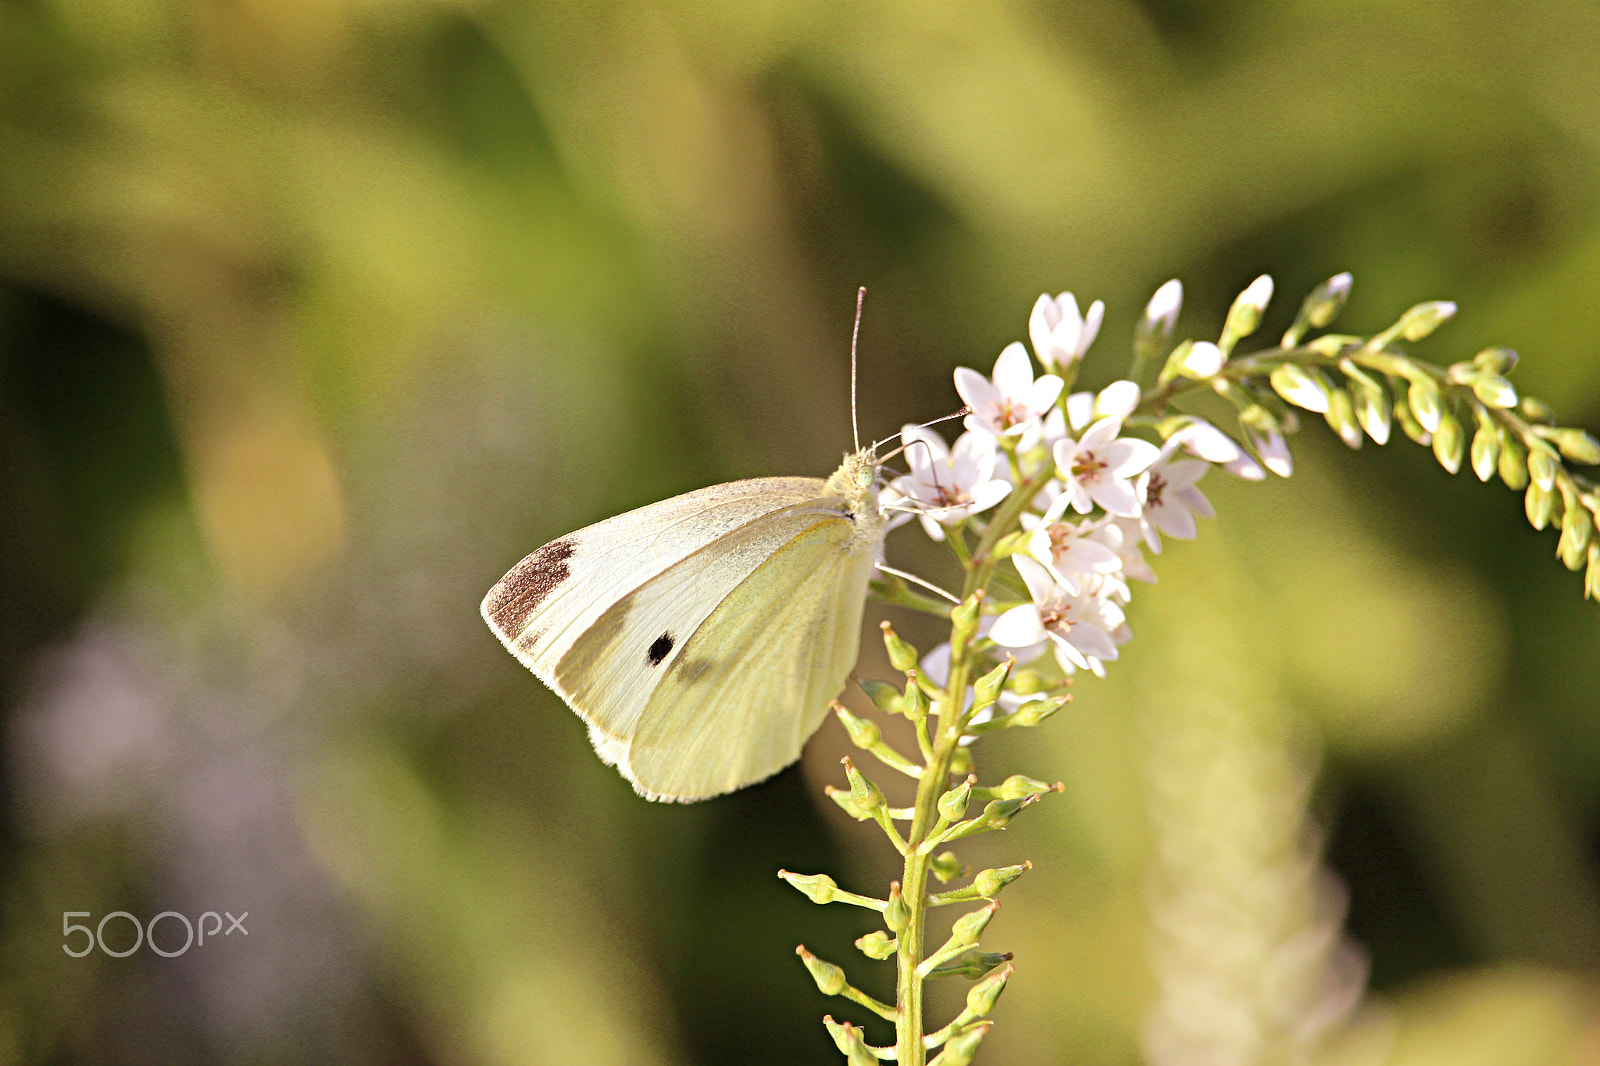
(1124, 535)
(1099, 466)
(1059, 333)
(949, 484)
(1274, 451)
(1079, 626)
(1068, 550)
(1171, 500)
(1201, 438)
(1245, 467)
(1008, 404)
(1161, 313)
(1203, 360)
(1257, 295)
(1117, 400)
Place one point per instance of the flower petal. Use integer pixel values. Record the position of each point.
(1013, 371)
(1117, 400)
(1018, 628)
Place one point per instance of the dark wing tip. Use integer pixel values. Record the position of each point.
(517, 596)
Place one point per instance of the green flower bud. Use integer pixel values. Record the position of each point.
(1542, 466)
(1033, 712)
(1408, 421)
(1331, 344)
(982, 997)
(946, 867)
(863, 793)
(1423, 398)
(1245, 314)
(1513, 462)
(1540, 504)
(1018, 786)
(1577, 445)
(1423, 319)
(818, 888)
(895, 913)
(953, 804)
(1496, 360)
(914, 702)
(883, 695)
(1026, 682)
(960, 1049)
(1495, 391)
(851, 1042)
(966, 930)
(846, 803)
(1576, 528)
(1300, 387)
(864, 733)
(996, 815)
(830, 979)
(987, 688)
(1341, 417)
(1326, 301)
(1372, 411)
(990, 882)
(1448, 442)
(1462, 373)
(877, 945)
(961, 761)
(1535, 410)
(965, 616)
(902, 656)
(1485, 452)
(971, 964)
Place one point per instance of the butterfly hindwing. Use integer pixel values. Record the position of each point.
(636, 643)
(753, 682)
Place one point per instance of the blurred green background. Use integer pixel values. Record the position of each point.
(316, 315)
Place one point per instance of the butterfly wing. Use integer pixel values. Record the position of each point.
(555, 596)
(753, 682)
(606, 615)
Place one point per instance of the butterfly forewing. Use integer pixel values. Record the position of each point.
(551, 598)
(753, 683)
(638, 641)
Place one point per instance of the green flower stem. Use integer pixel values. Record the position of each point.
(920, 840)
(882, 1010)
(896, 593)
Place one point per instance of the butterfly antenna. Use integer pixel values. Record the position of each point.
(942, 418)
(855, 432)
(930, 586)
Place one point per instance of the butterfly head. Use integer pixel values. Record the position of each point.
(856, 481)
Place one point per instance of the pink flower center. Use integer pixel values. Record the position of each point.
(1153, 491)
(1056, 618)
(1086, 467)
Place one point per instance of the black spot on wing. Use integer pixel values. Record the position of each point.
(660, 648)
(513, 601)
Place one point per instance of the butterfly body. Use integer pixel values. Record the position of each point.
(701, 637)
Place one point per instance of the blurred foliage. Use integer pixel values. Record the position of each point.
(315, 315)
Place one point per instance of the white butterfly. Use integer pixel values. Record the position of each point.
(701, 638)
